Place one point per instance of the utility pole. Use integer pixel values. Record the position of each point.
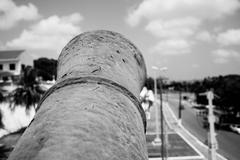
(212, 134)
(212, 141)
(162, 127)
(161, 116)
(167, 94)
(180, 108)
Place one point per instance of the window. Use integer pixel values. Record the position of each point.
(12, 66)
(5, 78)
(1, 67)
(22, 67)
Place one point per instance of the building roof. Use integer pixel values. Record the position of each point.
(10, 54)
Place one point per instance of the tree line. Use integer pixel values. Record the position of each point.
(226, 88)
(45, 68)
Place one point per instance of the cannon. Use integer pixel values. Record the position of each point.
(93, 110)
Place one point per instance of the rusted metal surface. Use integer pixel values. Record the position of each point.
(93, 111)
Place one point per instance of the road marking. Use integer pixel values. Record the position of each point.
(178, 158)
(154, 133)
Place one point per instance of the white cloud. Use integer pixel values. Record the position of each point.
(177, 22)
(230, 37)
(11, 14)
(224, 56)
(172, 47)
(174, 9)
(173, 28)
(52, 33)
(205, 36)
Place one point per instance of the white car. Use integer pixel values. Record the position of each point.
(235, 128)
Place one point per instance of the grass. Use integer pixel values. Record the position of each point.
(177, 147)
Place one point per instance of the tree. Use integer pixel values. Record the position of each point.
(227, 88)
(46, 68)
(149, 83)
(28, 92)
(176, 85)
(2, 98)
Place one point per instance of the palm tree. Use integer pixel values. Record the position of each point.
(2, 98)
(28, 92)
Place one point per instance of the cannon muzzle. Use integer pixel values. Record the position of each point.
(93, 110)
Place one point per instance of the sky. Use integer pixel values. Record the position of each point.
(192, 38)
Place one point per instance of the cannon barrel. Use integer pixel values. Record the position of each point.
(93, 110)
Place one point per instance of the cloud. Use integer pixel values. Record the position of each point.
(224, 56)
(205, 36)
(172, 47)
(230, 37)
(51, 34)
(173, 28)
(11, 14)
(174, 9)
(177, 22)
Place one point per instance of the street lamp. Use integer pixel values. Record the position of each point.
(157, 140)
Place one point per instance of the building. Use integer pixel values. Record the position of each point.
(12, 62)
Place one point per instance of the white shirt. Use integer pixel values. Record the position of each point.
(150, 95)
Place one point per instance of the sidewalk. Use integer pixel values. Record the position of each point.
(177, 148)
(185, 134)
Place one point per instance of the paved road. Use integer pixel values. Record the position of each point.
(229, 142)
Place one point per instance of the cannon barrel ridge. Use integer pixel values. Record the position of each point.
(93, 111)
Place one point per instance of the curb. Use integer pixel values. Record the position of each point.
(179, 158)
(201, 156)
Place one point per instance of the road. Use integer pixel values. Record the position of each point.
(229, 142)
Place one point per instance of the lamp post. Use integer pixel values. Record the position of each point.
(157, 140)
